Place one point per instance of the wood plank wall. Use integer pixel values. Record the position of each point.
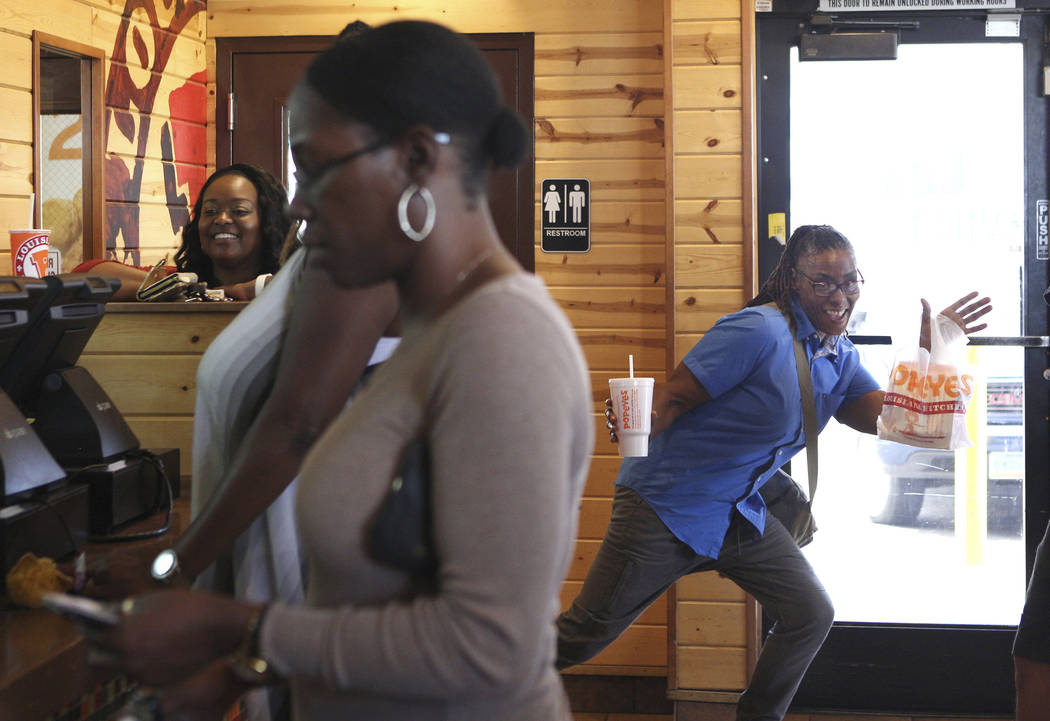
(713, 641)
(98, 23)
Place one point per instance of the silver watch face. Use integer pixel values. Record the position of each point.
(164, 565)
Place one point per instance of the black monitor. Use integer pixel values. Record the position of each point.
(59, 327)
(71, 413)
(25, 464)
(18, 298)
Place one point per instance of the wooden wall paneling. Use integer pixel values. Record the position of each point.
(211, 109)
(707, 43)
(708, 176)
(607, 54)
(697, 309)
(16, 114)
(136, 384)
(710, 266)
(14, 213)
(567, 96)
(640, 645)
(177, 333)
(749, 135)
(708, 86)
(711, 667)
(233, 18)
(187, 54)
(195, 28)
(599, 138)
(710, 618)
(629, 179)
(708, 131)
(670, 192)
(17, 69)
(706, 623)
(683, 342)
(713, 220)
(705, 9)
(64, 18)
(708, 586)
(594, 517)
(608, 349)
(605, 265)
(612, 307)
(748, 194)
(152, 188)
(16, 169)
(604, 467)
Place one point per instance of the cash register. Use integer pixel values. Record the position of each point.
(72, 469)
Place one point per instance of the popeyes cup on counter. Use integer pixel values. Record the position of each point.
(632, 405)
(29, 253)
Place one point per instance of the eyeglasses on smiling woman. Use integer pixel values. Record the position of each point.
(823, 288)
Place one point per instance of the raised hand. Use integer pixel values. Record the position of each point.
(964, 312)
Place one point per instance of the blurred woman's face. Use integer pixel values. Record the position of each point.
(229, 224)
(347, 191)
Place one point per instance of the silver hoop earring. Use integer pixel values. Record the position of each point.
(402, 213)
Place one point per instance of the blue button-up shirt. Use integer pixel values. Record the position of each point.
(719, 454)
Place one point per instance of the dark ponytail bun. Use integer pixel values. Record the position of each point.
(507, 141)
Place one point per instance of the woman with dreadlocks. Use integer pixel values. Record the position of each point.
(725, 421)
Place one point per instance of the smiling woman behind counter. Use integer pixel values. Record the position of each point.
(233, 239)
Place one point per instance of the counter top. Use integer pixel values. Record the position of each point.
(229, 306)
(43, 665)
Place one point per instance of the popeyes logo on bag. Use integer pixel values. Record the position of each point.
(930, 393)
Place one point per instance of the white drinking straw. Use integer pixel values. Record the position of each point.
(32, 203)
(630, 363)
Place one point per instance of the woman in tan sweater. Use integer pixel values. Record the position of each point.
(394, 133)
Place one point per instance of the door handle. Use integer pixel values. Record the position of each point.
(1020, 341)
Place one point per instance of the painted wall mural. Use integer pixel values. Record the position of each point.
(156, 139)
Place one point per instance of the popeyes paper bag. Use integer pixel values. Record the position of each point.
(928, 392)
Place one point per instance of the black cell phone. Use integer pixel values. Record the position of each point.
(82, 609)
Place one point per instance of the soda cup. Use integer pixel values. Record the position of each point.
(29, 252)
(632, 404)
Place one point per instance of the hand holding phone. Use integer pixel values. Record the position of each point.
(82, 609)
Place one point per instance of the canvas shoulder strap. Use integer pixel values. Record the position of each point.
(809, 409)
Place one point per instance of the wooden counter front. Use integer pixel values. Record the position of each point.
(44, 663)
(145, 356)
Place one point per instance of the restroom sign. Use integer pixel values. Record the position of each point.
(565, 212)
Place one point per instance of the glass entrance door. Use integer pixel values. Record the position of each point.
(924, 162)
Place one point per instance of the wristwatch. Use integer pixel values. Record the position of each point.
(246, 664)
(165, 566)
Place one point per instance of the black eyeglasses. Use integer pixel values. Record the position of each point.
(823, 288)
(305, 180)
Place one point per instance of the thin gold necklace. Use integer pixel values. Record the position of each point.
(465, 273)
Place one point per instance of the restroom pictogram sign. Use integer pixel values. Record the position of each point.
(565, 212)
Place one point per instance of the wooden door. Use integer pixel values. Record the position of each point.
(260, 74)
